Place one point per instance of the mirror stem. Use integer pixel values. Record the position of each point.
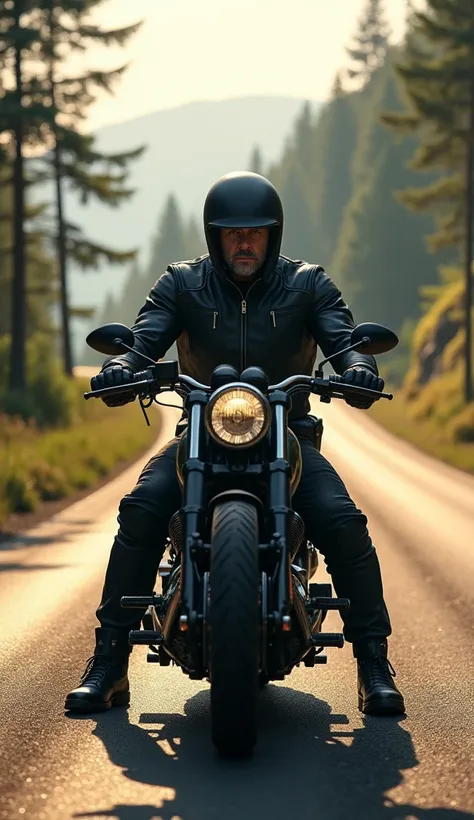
(120, 343)
(340, 352)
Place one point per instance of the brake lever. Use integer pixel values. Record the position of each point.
(116, 389)
(366, 391)
(143, 407)
(363, 392)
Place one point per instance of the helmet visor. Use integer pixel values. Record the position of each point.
(242, 222)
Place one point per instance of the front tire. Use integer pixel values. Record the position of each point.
(234, 627)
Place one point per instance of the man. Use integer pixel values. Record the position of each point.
(243, 304)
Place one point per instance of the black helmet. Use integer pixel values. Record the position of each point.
(243, 200)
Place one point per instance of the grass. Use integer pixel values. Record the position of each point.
(45, 465)
(428, 434)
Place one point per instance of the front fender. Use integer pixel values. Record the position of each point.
(240, 495)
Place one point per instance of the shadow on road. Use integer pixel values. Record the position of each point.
(305, 765)
(12, 566)
(10, 541)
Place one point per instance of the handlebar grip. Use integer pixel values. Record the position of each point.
(337, 379)
(324, 387)
(140, 376)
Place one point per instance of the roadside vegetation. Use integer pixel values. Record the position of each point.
(89, 441)
(450, 440)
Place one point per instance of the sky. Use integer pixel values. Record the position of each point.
(193, 50)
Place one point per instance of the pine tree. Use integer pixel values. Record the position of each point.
(129, 301)
(41, 280)
(370, 102)
(256, 161)
(440, 92)
(298, 178)
(299, 231)
(194, 244)
(73, 156)
(5, 249)
(338, 89)
(174, 241)
(28, 117)
(370, 43)
(303, 136)
(168, 244)
(21, 117)
(381, 261)
(331, 179)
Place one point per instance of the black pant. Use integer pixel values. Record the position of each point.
(333, 524)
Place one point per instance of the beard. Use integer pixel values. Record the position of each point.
(243, 268)
(247, 269)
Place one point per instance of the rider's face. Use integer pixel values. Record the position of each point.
(244, 250)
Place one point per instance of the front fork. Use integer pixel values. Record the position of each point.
(280, 510)
(192, 516)
(192, 513)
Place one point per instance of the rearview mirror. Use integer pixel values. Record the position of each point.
(381, 338)
(106, 339)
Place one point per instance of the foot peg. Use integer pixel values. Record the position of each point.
(328, 639)
(328, 603)
(311, 659)
(144, 637)
(140, 601)
(161, 656)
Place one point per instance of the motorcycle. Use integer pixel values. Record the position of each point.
(237, 606)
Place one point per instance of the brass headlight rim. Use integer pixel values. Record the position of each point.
(226, 388)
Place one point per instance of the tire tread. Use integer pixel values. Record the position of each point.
(234, 619)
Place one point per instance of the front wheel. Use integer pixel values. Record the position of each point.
(234, 627)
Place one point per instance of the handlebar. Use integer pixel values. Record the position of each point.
(326, 387)
(147, 383)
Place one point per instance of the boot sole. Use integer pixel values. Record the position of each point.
(87, 706)
(388, 705)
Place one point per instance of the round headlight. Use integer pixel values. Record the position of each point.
(238, 416)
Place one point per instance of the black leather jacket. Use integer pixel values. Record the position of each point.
(278, 325)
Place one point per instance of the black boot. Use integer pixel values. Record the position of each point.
(105, 681)
(377, 692)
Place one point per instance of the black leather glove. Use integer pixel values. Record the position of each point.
(111, 377)
(360, 377)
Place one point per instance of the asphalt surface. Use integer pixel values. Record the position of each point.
(317, 756)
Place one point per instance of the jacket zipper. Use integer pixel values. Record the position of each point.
(243, 322)
(244, 325)
(214, 319)
(272, 314)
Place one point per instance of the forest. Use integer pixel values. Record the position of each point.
(378, 187)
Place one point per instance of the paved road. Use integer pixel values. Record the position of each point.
(317, 756)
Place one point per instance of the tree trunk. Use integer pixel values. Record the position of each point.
(61, 231)
(468, 393)
(62, 261)
(17, 376)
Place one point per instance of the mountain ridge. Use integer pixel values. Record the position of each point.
(201, 103)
